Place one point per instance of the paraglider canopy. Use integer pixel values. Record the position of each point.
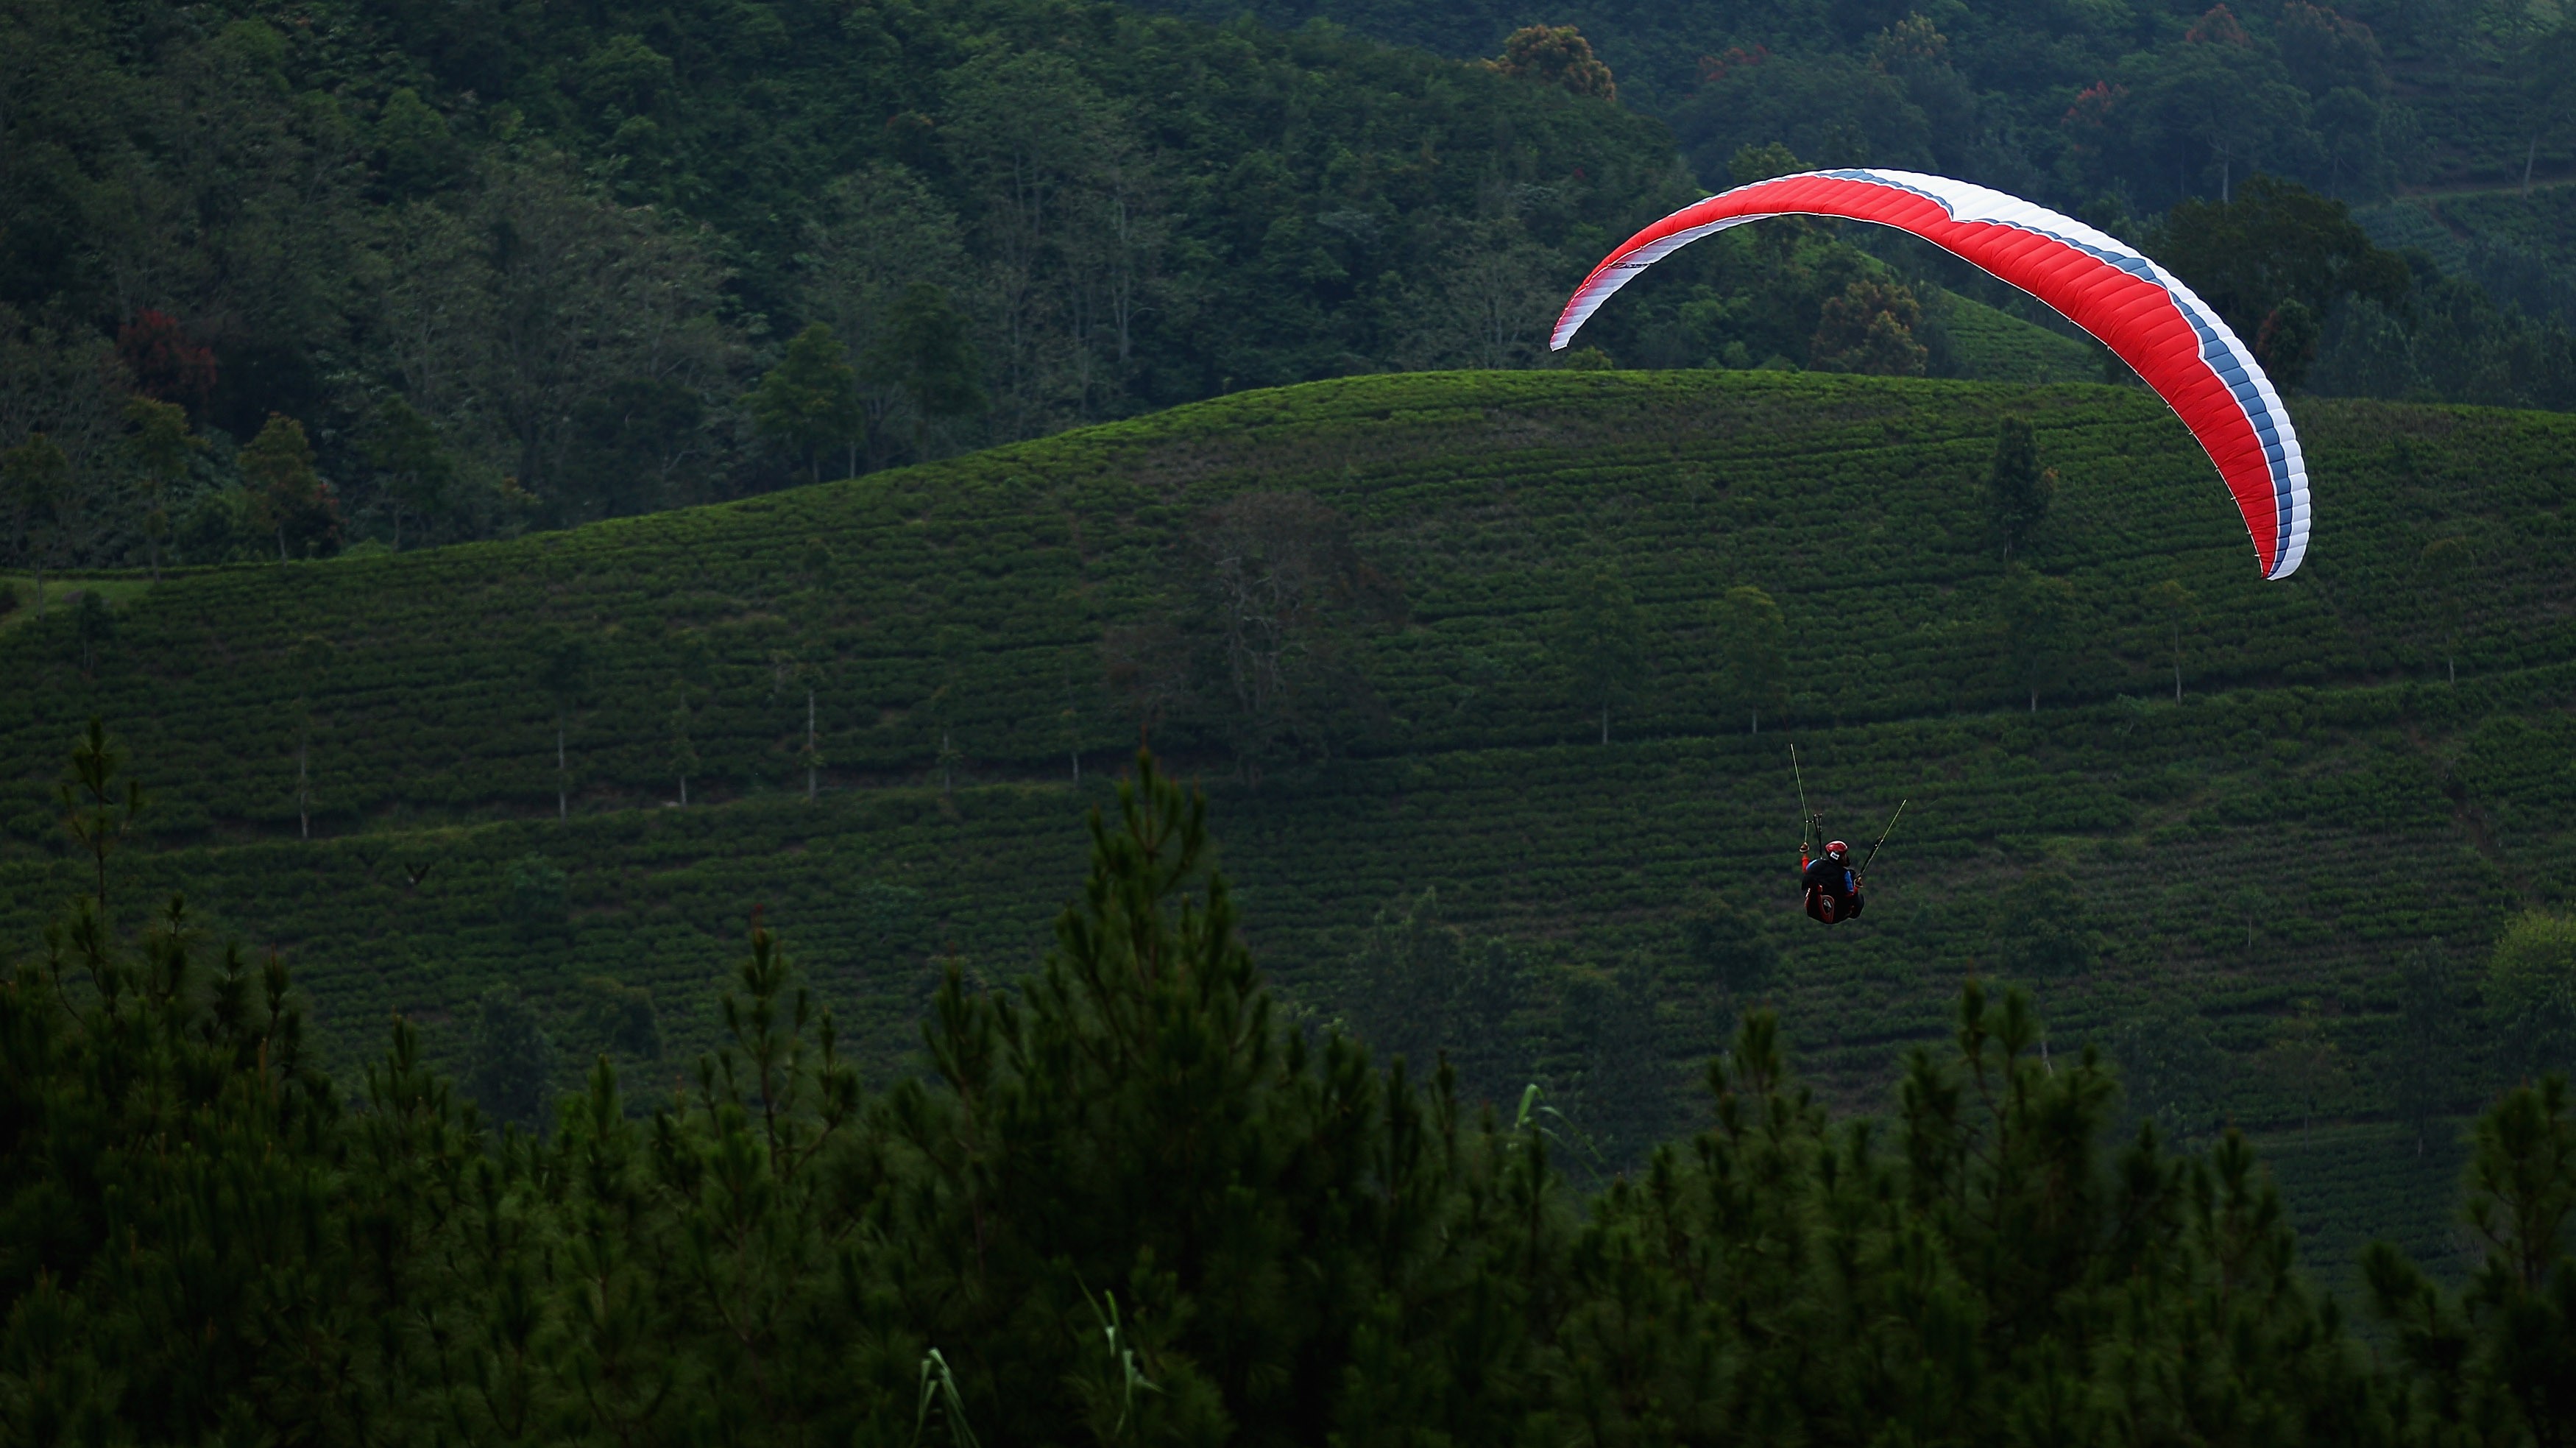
(2169, 336)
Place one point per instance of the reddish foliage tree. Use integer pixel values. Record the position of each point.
(2219, 27)
(1555, 55)
(163, 362)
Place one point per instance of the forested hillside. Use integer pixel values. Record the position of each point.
(2152, 102)
(1515, 783)
(278, 280)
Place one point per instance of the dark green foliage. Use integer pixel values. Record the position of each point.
(287, 497)
(2172, 1070)
(35, 485)
(2431, 1034)
(2039, 629)
(966, 599)
(537, 898)
(1725, 946)
(809, 403)
(1603, 646)
(571, 240)
(1753, 651)
(93, 624)
(1436, 997)
(420, 475)
(621, 1018)
(924, 353)
(2018, 489)
(1130, 1199)
(2492, 1362)
(2277, 244)
(2530, 991)
(511, 1062)
(2042, 927)
(1271, 608)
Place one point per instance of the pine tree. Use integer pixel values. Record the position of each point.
(101, 803)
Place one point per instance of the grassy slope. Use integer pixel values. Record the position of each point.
(963, 599)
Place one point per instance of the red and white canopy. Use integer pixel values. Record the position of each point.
(2136, 308)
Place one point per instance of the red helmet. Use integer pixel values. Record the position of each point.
(1836, 850)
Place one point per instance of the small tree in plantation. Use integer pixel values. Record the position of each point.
(2175, 607)
(792, 672)
(563, 675)
(2018, 490)
(2038, 619)
(1753, 652)
(2443, 571)
(93, 624)
(1604, 643)
(310, 662)
(2430, 1035)
(692, 670)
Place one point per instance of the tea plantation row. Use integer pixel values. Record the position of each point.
(964, 601)
(2250, 872)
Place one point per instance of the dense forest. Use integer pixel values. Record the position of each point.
(276, 280)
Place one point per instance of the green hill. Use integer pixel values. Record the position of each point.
(2242, 895)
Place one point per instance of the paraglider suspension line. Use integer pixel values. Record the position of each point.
(1806, 816)
(1883, 834)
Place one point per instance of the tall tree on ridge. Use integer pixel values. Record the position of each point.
(287, 495)
(809, 402)
(162, 447)
(923, 353)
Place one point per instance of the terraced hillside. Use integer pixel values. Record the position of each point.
(2241, 894)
